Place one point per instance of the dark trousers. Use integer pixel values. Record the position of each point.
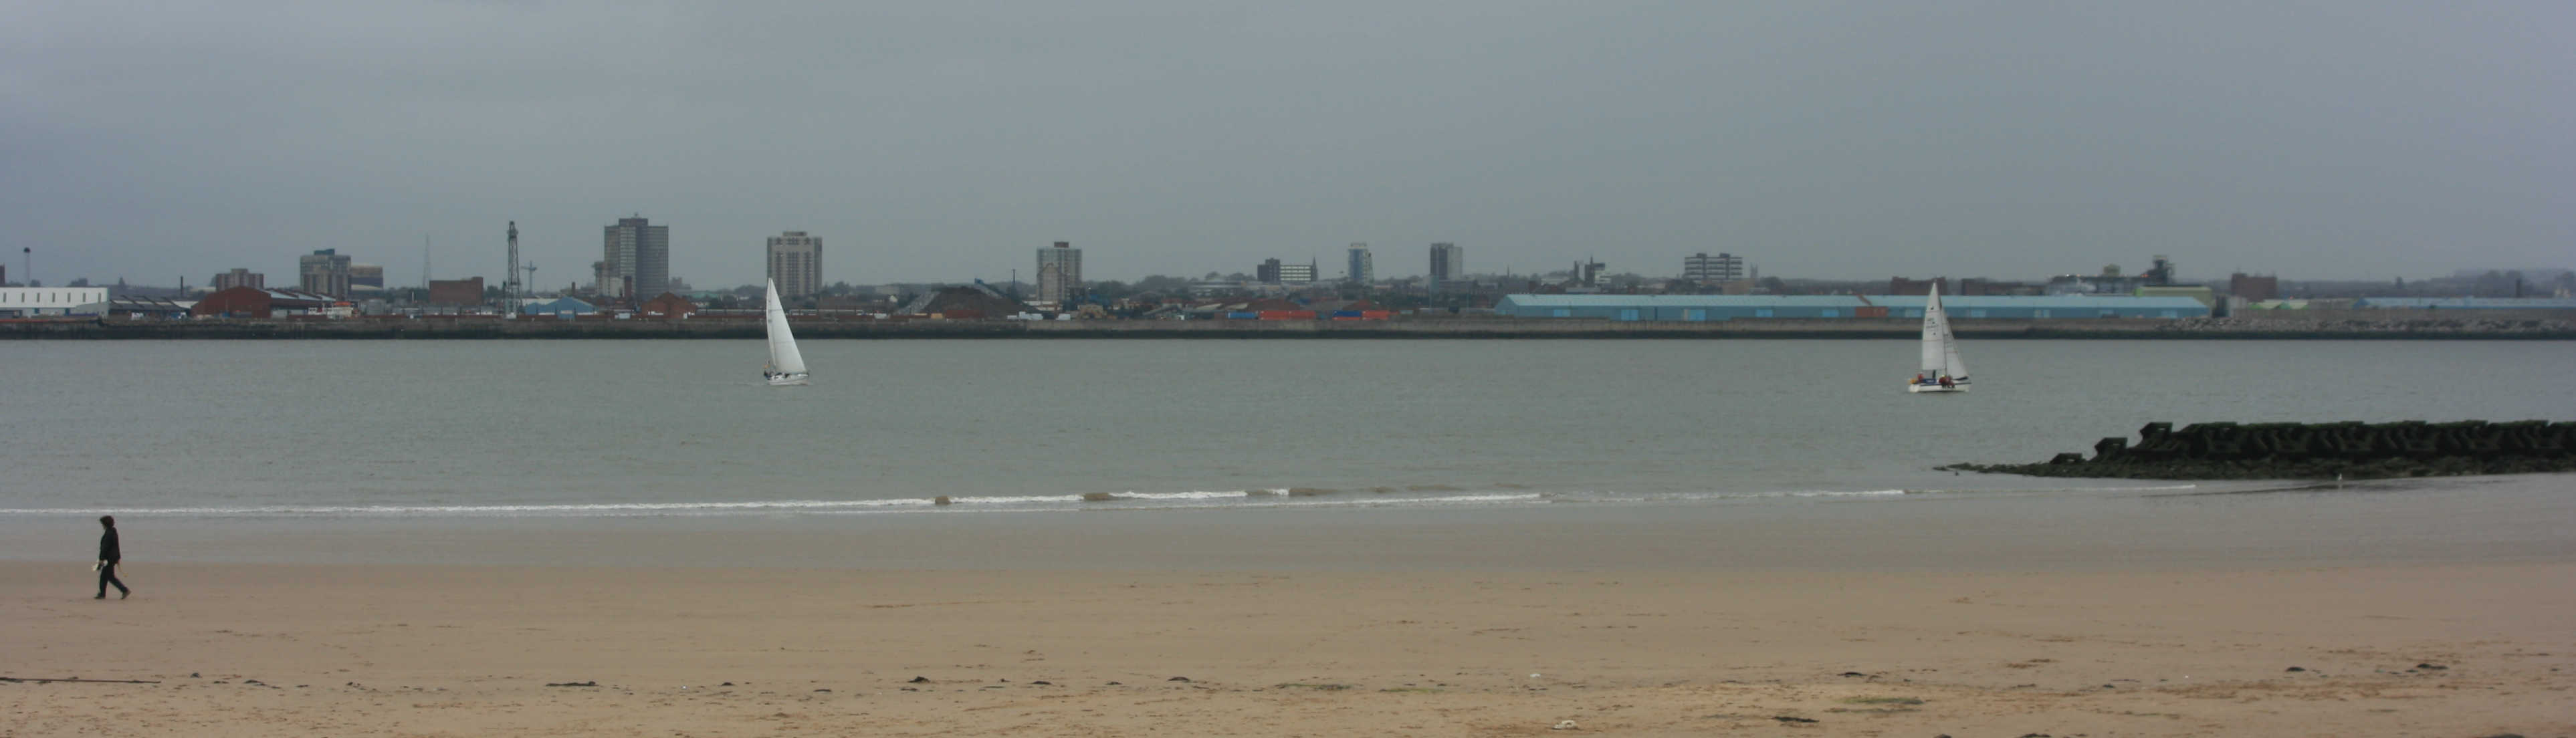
(107, 576)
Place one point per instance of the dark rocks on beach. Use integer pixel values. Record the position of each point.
(1852, 674)
(1177, 679)
(193, 675)
(2295, 668)
(1045, 683)
(919, 680)
(1113, 684)
(2431, 667)
(822, 690)
(572, 684)
(940, 500)
(2347, 450)
(1793, 719)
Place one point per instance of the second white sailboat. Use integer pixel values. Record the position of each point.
(786, 365)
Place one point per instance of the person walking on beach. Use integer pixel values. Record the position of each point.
(108, 556)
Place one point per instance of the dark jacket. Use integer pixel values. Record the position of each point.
(107, 550)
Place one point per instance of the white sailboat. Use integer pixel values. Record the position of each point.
(1942, 370)
(786, 365)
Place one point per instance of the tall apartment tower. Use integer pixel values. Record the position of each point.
(796, 263)
(1363, 268)
(1448, 263)
(325, 271)
(635, 260)
(1059, 273)
(1705, 269)
(239, 277)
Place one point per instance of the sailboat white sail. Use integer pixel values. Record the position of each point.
(786, 364)
(1942, 369)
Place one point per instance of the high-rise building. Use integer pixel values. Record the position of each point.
(1705, 269)
(367, 277)
(1297, 273)
(1448, 264)
(636, 258)
(240, 277)
(1266, 272)
(796, 263)
(1059, 273)
(324, 271)
(1363, 268)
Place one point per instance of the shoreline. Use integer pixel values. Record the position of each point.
(267, 649)
(490, 328)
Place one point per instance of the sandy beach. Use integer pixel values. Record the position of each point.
(461, 650)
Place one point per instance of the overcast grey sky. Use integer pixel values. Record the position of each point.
(947, 140)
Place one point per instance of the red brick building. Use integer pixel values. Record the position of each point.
(668, 306)
(1903, 286)
(257, 302)
(467, 291)
(2254, 288)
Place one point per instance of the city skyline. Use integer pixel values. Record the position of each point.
(1835, 142)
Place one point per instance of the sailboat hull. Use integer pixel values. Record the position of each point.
(1934, 388)
(788, 380)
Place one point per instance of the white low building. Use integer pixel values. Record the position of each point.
(29, 302)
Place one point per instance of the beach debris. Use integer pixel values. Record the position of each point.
(1852, 674)
(2295, 668)
(15, 680)
(822, 690)
(578, 684)
(726, 684)
(1177, 679)
(1563, 725)
(2431, 667)
(918, 680)
(193, 675)
(1044, 682)
(1792, 719)
(940, 500)
(1533, 675)
(1114, 684)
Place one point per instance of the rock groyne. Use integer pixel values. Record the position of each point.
(2348, 450)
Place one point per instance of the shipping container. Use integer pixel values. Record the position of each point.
(1287, 315)
(1242, 316)
(1376, 314)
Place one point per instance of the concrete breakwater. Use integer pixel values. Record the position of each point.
(451, 327)
(2348, 450)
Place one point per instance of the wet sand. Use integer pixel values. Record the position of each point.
(253, 649)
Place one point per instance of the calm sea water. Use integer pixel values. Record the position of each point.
(460, 429)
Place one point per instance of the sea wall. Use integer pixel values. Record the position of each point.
(1419, 328)
(2348, 450)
